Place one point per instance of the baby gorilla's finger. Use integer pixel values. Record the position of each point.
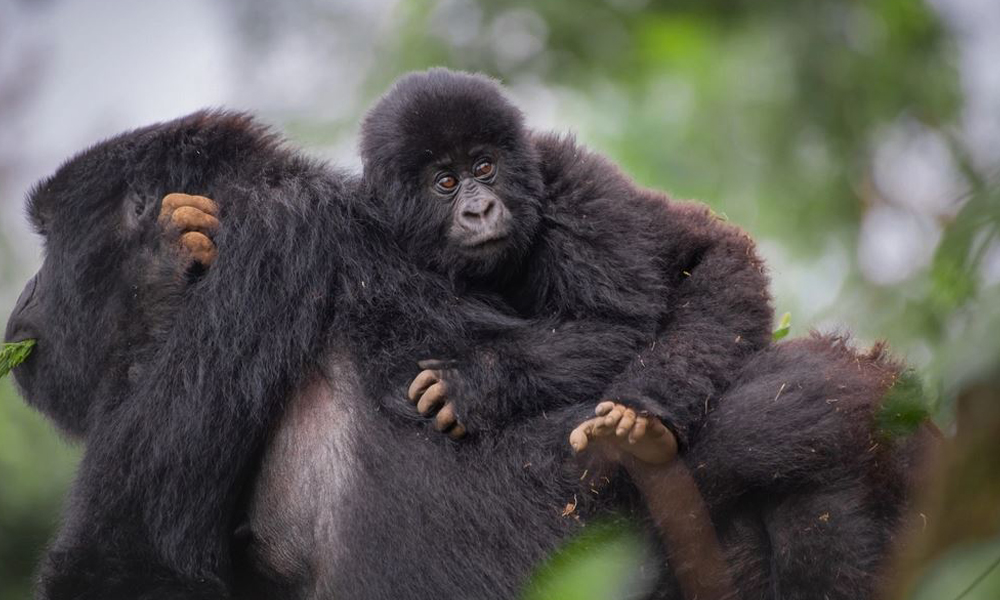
(201, 248)
(604, 408)
(639, 430)
(432, 398)
(626, 424)
(421, 382)
(445, 417)
(188, 218)
(457, 432)
(172, 202)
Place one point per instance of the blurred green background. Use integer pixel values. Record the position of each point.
(859, 142)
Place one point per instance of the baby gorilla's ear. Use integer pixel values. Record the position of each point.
(194, 219)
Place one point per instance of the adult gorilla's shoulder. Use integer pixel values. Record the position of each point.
(172, 379)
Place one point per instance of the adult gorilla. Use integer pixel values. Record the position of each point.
(349, 499)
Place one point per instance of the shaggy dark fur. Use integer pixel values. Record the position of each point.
(660, 299)
(683, 299)
(307, 327)
(171, 426)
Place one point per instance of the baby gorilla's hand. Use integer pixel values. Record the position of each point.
(194, 218)
(618, 430)
(429, 391)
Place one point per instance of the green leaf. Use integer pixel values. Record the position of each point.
(604, 562)
(14, 354)
(784, 326)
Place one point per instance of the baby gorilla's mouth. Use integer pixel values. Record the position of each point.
(486, 247)
(486, 242)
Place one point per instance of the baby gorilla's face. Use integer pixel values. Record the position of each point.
(450, 156)
(479, 222)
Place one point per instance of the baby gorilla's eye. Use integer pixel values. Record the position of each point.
(483, 170)
(446, 182)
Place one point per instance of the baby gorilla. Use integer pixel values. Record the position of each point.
(627, 295)
(561, 237)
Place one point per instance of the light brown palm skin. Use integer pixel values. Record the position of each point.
(196, 219)
(620, 431)
(429, 391)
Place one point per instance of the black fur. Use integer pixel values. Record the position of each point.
(310, 321)
(655, 303)
(626, 294)
(172, 416)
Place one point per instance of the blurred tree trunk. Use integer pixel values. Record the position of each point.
(960, 508)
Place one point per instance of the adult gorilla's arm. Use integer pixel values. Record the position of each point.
(152, 510)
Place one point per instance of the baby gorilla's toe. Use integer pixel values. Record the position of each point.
(650, 441)
(618, 431)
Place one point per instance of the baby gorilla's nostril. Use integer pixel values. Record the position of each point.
(481, 212)
(488, 209)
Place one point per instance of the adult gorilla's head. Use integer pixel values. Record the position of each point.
(450, 157)
(104, 283)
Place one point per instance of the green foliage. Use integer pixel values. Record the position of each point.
(784, 326)
(35, 469)
(971, 572)
(13, 354)
(601, 563)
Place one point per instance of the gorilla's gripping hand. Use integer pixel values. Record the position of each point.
(194, 220)
(429, 391)
(517, 368)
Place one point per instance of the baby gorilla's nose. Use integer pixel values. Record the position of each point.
(478, 212)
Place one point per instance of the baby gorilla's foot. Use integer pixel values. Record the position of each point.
(195, 219)
(429, 391)
(618, 430)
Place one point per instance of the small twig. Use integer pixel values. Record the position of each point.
(779, 392)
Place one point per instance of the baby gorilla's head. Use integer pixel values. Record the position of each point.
(449, 156)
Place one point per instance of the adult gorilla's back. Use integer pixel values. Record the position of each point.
(172, 380)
